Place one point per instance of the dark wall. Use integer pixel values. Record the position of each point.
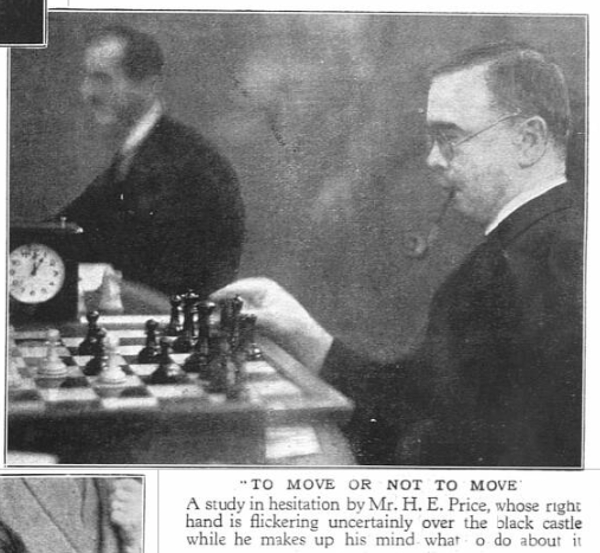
(321, 116)
(22, 21)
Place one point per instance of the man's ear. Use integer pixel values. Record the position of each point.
(532, 140)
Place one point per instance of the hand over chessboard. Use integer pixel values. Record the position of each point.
(205, 355)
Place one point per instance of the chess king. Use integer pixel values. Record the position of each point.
(497, 380)
(167, 213)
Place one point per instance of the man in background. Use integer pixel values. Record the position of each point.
(72, 515)
(497, 380)
(168, 212)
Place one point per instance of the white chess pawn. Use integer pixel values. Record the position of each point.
(113, 374)
(52, 366)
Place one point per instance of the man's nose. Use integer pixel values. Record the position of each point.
(435, 158)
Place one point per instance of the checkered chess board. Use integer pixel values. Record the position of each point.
(267, 387)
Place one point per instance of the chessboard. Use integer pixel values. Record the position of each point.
(84, 419)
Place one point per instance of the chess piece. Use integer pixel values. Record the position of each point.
(248, 338)
(87, 347)
(112, 373)
(224, 373)
(198, 361)
(225, 315)
(230, 318)
(186, 341)
(168, 371)
(99, 361)
(205, 311)
(236, 306)
(174, 327)
(150, 353)
(52, 366)
(235, 324)
(110, 291)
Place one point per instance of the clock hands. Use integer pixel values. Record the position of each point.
(36, 263)
(37, 274)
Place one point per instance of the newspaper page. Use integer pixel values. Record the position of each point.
(327, 114)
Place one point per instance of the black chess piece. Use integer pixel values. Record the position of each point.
(99, 361)
(88, 346)
(198, 361)
(186, 340)
(225, 310)
(230, 311)
(224, 373)
(205, 312)
(235, 324)
(175, 326)
(168, 371)
(150, 353)
(248, 338)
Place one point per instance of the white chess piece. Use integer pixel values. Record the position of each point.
(113, 374)
(52, 366)
(110, 291)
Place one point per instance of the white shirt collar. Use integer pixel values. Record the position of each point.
(522, 199)
(142, 128)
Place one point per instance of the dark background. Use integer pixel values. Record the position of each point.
(22, 22)
(322, 117)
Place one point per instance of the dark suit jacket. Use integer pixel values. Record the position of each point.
(498, 377)
(62, 515)
(180, 224)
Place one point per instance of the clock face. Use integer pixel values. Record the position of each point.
(36, 273)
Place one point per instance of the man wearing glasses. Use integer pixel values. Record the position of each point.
(497, 380)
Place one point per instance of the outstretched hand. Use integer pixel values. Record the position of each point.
(280, 317)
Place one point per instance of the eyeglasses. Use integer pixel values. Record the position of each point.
(448, 144)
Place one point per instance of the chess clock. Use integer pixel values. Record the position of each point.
(42, 272)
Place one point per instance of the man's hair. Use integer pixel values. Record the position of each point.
(521, 80)
(142, 55)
